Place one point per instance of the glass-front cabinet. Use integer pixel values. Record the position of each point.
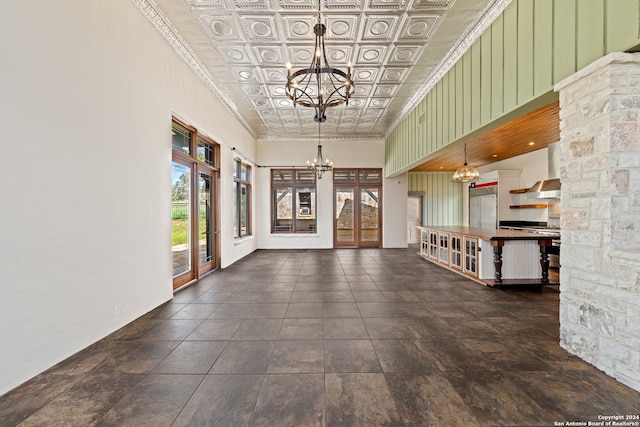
(424, 242)
(455, 251)
(433, 244)
(470, 265)
(443, 247)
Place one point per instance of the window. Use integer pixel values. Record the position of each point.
(241, 198)
(181, 139)
(293, 201)
(206, 152)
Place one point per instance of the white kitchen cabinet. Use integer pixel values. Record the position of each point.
(424, 242)
(455, 251)
(443, 247)
(470, 265)
(433, 244)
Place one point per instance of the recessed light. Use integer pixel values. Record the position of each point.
(495, 155)
(532, 143)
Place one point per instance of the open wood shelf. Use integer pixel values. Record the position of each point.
(534, 206)
(518, 191)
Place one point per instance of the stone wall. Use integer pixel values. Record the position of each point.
(600, 215)
(368, 216)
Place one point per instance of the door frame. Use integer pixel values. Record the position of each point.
(420, 195)
(356, 186)
(214, 221)
(197, 166)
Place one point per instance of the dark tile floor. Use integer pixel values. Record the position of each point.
(375, 337)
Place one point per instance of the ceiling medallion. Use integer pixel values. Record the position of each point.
(320, 86)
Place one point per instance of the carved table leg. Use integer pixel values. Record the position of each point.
(497, 258)
(544, 259)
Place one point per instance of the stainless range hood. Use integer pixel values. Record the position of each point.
(547, 189)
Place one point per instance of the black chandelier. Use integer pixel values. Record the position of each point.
(320, 165)
(320, 86)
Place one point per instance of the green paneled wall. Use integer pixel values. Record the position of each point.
(564, 57)
(530, 47)
(443, 197)
(510, 60)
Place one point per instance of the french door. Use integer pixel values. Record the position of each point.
(194, 176)
(357, 207)
(207, 230)
(182, 222)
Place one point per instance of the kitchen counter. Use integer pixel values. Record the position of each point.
(491, 257)
(499, 234)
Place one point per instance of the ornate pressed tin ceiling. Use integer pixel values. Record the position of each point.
(399, 49)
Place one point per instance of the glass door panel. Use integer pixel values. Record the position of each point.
(181, 223)
(244, 212)
(369, 217)
(206, 228)
(345, 217)
(283, 208)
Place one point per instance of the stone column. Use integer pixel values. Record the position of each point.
(600, 215)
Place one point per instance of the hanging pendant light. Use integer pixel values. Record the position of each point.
(319, 165)
(320, 86)
(465, 173)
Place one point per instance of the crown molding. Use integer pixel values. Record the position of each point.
(171, 35)
(363, 137)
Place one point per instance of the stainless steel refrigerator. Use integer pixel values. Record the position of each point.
(483, 207)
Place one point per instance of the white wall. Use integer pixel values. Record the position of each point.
(353, 154)
(534, 166)
(233, 249)
(87, 92)
(395, 211)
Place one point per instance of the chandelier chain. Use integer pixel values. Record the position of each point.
(319, 164)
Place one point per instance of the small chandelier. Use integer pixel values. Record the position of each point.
(465, 173)
(320, 86)
(319, 165)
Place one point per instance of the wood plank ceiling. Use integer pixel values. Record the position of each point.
(530, 132)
